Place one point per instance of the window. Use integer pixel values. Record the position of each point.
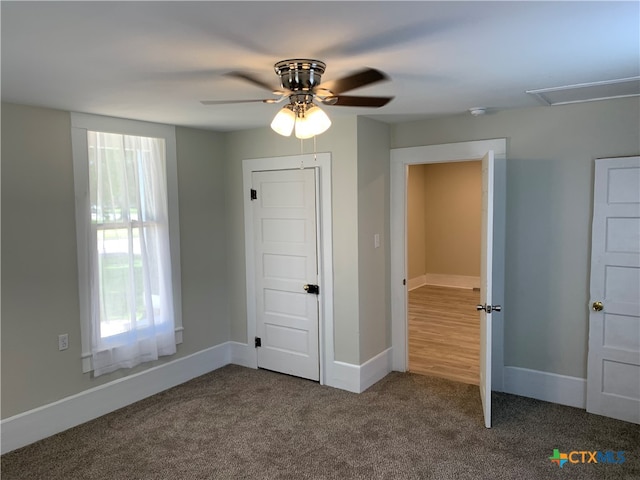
(126, 214)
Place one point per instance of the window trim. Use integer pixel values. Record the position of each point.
(80, 123)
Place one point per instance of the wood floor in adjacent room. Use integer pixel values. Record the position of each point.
(444, 333)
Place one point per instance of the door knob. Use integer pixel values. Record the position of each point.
(312, 289)
(489, 308)
(597, 306)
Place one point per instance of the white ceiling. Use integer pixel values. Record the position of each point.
(155, 61)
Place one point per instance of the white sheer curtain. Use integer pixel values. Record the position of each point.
(132, 318)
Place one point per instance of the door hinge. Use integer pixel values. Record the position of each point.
(404, 281)
(258, 342)
(254, 194)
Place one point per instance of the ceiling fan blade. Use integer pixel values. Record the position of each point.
(384, 39)
(353, 81)
(248, 77)
(224, 102)
(350, 101)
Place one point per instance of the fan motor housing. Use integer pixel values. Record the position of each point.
(300, 74)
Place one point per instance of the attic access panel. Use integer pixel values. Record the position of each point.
(588, 92)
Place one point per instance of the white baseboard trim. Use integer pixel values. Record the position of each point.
(42, 422)
(357, 378)
(345, 376)
(375, 369)
(416, 282)
(455, 281)
(47, 420)
(550, 387)
(243, 354)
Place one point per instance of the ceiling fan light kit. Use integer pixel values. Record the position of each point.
(309, 120)
(284, 121)
(300, 80)
(313, 121)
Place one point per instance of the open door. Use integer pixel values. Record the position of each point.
(486, 280)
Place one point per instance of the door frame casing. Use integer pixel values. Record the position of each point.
(401, 158)
(321, 162)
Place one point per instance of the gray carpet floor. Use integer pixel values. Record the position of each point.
(240, 423)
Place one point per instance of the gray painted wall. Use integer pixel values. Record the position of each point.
(550, 152)
(201, 188)
(373, 217)
(39, 268)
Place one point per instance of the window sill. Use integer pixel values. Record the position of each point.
(86, 357)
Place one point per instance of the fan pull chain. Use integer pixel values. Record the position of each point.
(315, 152)
(315, 149)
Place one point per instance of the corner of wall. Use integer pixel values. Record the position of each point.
(357, 378)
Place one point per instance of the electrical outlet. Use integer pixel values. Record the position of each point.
(63, 341)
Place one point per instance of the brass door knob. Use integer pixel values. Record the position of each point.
(597, 306)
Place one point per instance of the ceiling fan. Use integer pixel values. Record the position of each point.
(300, 84)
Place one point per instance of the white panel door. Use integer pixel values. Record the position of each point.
(613, 374)
(284, 216)
(486, 280)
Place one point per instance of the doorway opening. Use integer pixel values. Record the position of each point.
(401, 159)
(492, 154)
(444, 210)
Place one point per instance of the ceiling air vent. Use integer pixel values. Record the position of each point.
(588, 92)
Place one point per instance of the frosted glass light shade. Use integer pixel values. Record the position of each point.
(314, 122)
(283, 121)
